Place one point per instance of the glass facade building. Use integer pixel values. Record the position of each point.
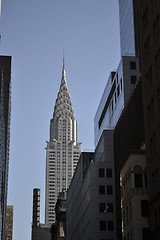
(5, 108)
(127, 34)
(120, 85)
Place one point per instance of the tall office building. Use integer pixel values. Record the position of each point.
(5, 108)
(128, 32)
(62, 151)
(149, 25)
(0, 6)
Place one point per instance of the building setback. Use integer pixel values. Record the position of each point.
(5, 111)
(62, 151)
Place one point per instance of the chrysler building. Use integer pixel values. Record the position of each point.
(62, 151)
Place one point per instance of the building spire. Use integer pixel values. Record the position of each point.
(63, 70)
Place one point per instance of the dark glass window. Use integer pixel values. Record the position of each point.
(110, 226)
(109, 190)
(133, 79)
(108, 172)
(115, 97)
(109, 207)
(121, 83)
(118, 91)
(138, 180)
(102, 207)
(101, 172)
(102, 189)
(145, 233)
(146, 182)
(144, 208)
(132, 65)
(102, 225)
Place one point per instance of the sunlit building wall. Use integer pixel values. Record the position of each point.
(119, 87)
(127, 30)
(9, 222)
(62, 151)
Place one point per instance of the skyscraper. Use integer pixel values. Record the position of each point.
(62, 151)
(149, 38)
(5, 109)
(128, 32)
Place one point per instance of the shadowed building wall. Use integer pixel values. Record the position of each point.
(5, 111)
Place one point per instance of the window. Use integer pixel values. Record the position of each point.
(117, 77)
(138, 182)
(133, 79)
(145, 178)
(145, 233)
(124, 218)
(152, 147)
(118, 91)
(101, 189)
(101, 172)
(102, 207)
(112, 105)
(132, 65)
(149, 79)
(102, 225)
(144, 208)
(121, 83)
(127, 214)
(151, 113)
(158, 96)
(108, 172)
(110, 226)
(130, 210)
(109, 190)
(156, 29)
(109, 207)
(115, 97)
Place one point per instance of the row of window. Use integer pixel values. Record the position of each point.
(105, 172)
(105, 189)
(106, 207)
(104, 226)
(116, 95)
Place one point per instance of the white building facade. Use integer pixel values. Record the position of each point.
(62, 151)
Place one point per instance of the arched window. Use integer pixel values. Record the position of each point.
(138, 177)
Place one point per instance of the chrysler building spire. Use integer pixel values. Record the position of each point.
(63, 69)
(62, 151)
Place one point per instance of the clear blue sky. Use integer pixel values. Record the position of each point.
(35, 32)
